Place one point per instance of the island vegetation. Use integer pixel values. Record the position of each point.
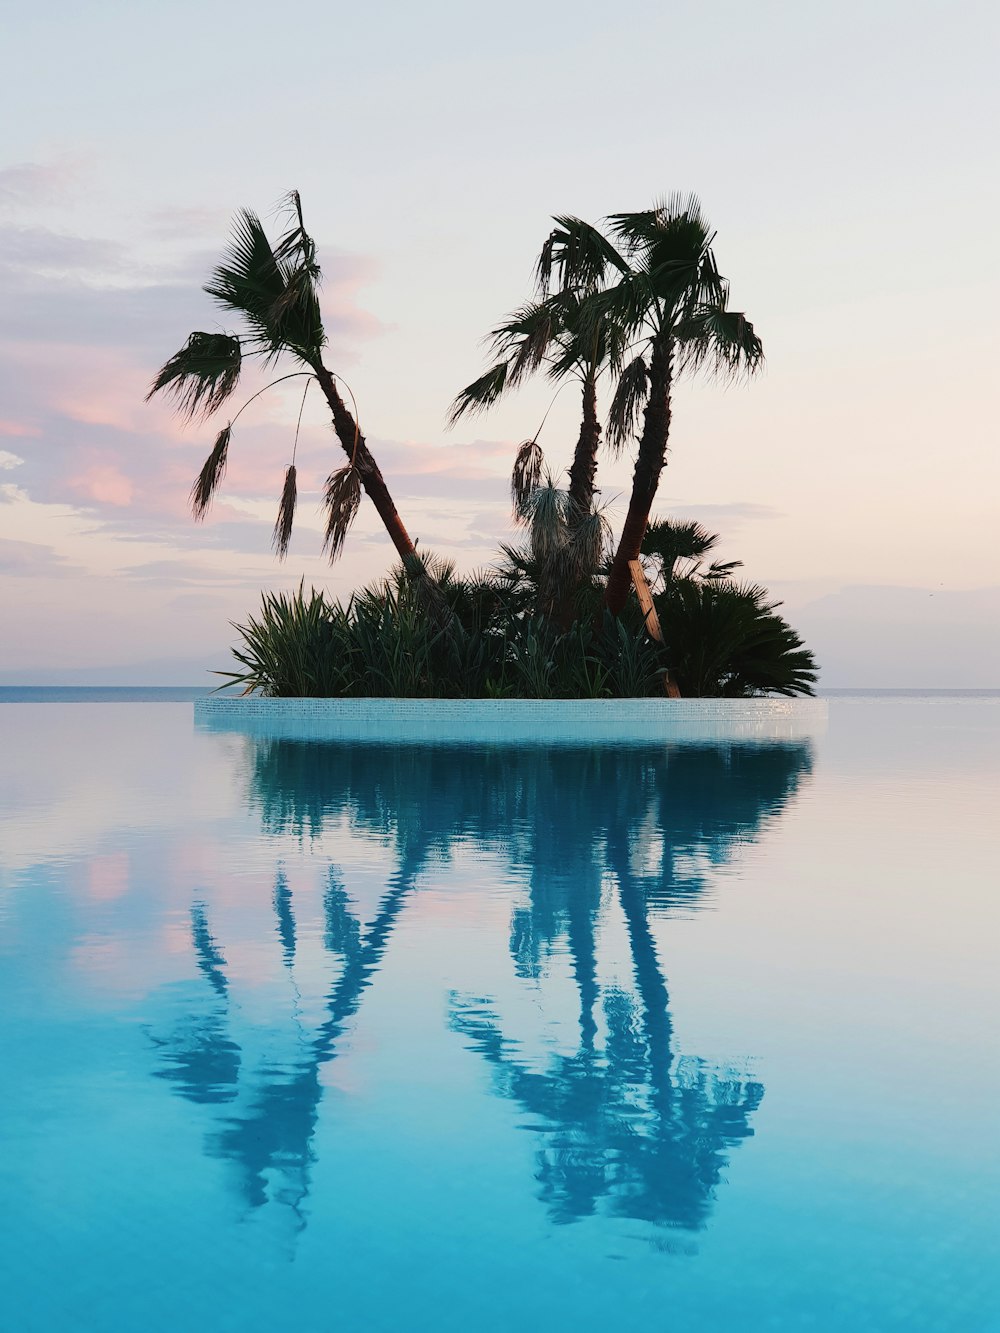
(625, 310)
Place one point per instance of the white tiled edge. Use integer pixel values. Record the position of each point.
(516, 721)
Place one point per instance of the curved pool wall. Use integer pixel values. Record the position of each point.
(518, 721)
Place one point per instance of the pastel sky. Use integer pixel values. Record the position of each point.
(846, 153)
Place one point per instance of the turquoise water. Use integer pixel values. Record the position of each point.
(299, 1037)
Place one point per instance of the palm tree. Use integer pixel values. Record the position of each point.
(567, 335)
(668, 297)
(274, 290)
(561, 334)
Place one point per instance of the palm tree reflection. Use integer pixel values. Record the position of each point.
(199, 1057)
(625, 1125)
(628, 1123)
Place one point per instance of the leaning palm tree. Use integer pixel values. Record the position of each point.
(274, 291)
(666, 296)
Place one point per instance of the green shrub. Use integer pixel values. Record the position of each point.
(491, 637)
(724, 639)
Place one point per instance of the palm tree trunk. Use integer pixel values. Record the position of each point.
(584, 470)
(581, 492)
(354, 446)
(649, 464)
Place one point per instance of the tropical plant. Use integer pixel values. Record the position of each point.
(724, 639)
(273, 289)
(291, 649)
(677, 548)
(552, 573)
(569, 339)
(665, 295)
(382, 645)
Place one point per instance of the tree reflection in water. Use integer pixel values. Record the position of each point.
(624, 1124)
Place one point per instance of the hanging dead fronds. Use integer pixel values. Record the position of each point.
(589, 544)
(286, 514)
(546, 513)
(211, 474)
(526, 475)
(342, 497)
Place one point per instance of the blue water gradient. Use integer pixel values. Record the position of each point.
(311, 1037)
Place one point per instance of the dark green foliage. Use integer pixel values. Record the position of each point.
(678, 546)
(725, 639)
(273, 289)
(722, 640)
(202, 375)
(515, 632)
(384, 645)
(290, 649)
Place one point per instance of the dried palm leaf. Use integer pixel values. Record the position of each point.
(286, 514)
(342, 498)
(526, 475)
(211, 474)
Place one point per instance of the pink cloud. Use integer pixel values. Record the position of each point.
(17, 429)
(76, 377)
(104, 484)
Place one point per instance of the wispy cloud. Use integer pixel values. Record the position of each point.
(25, 559)
(33, 183)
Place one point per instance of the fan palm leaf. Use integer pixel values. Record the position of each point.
(627, 404)
(202, 375)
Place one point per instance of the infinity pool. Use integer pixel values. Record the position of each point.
(310, 1038)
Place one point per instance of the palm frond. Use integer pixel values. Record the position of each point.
(295, 255)
(629, 399)
(579, 255)
(526, 474)
(584, 340)
(481, 393)
(721, 569)
(248, 281)
(545, 511)
(671, 214)
(672, 244)
(286, 514)
(211, 474)
(589, 543)
(278, 299)
(723, 341)
(296, 246)
(628, 307)
(202, 375)
(342, 498)
(524, 339)
(672, 539)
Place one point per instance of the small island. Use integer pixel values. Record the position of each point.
(573, 611)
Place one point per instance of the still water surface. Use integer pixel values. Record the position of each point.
(305, 1037)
